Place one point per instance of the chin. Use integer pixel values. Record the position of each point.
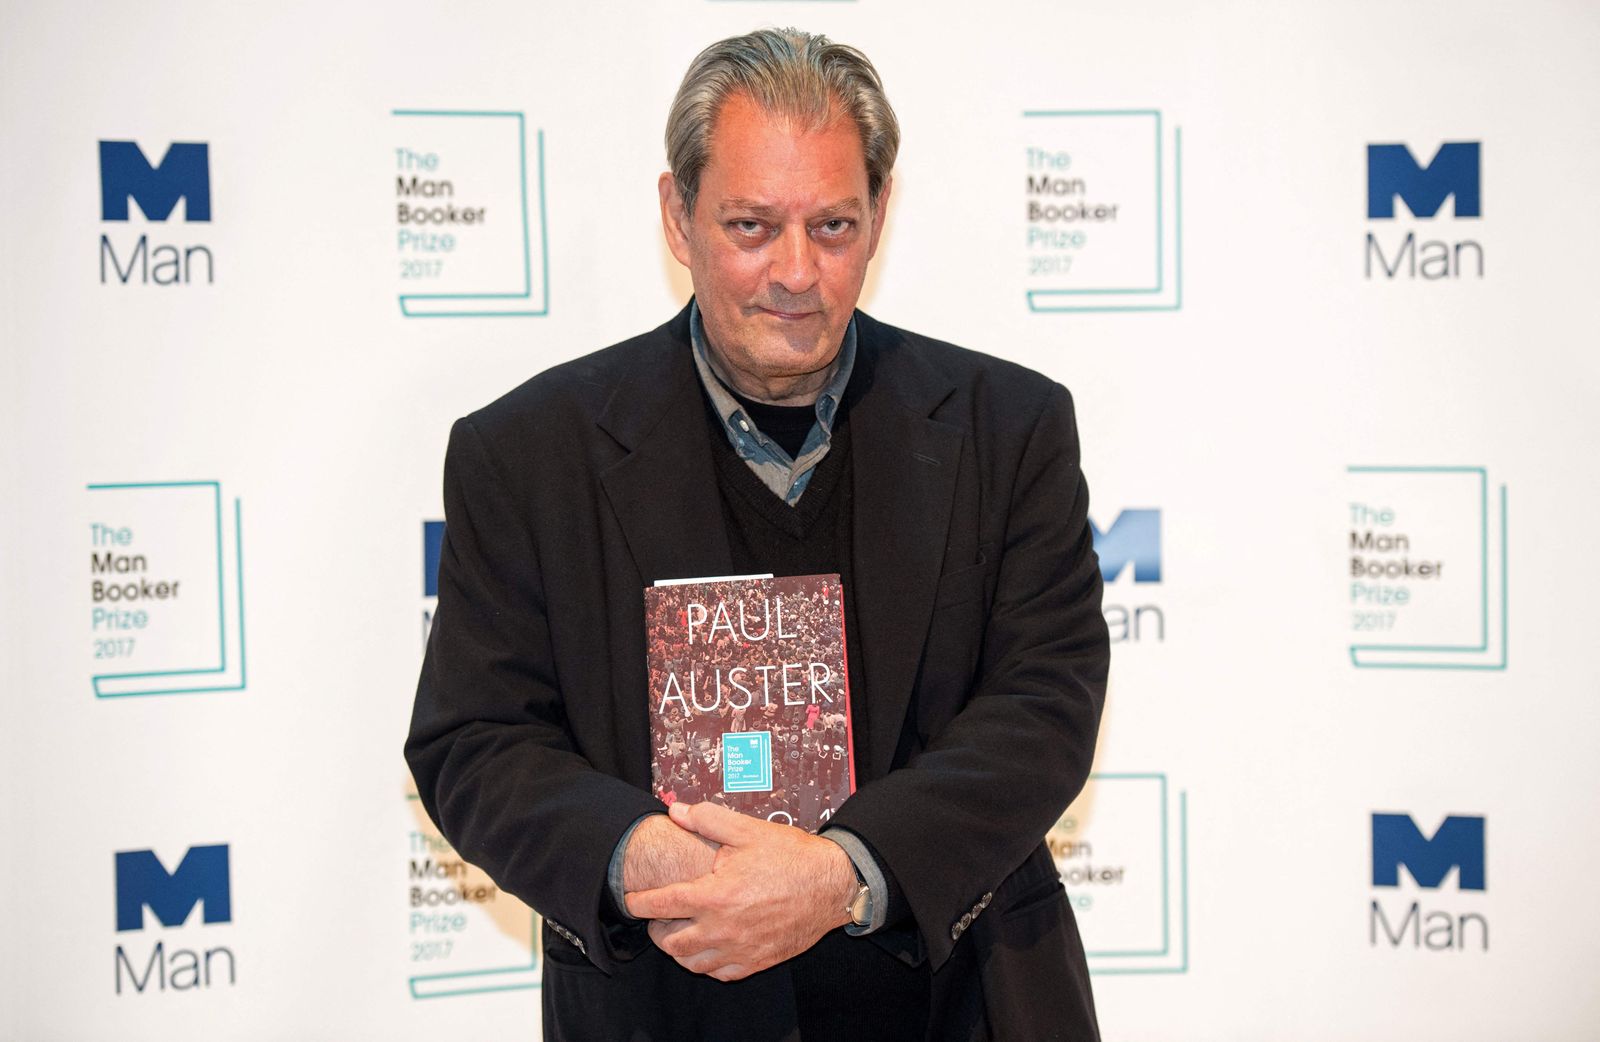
(787, 359)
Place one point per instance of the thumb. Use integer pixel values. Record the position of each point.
(712, 821)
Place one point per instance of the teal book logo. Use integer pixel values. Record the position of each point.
(1103, 210)
(1123, 852)
(469, 212)
(165, 589)
(464, 935)
(1426, 568)
(747, 761)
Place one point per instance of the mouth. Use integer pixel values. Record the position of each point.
(788, 316)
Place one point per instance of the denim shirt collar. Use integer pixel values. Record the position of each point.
(786, 477)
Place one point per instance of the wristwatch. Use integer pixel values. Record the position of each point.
(860, 907)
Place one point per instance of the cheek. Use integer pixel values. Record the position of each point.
(736, 275)
(846, 273)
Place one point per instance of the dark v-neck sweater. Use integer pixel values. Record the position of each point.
(844, 987)
(812, 537)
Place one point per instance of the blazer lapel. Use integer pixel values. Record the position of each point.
(904, 467)
(664, 492)
(663, 497)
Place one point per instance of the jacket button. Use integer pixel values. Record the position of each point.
(986, 899)
(966, 920)
(955, 932)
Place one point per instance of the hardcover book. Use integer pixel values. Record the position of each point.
(749, 695)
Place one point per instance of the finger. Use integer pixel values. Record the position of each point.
(673, 901)
(731, 972)
(679, 813)
(661, 930)
(714, 822)
(677, 937)
(709, 962)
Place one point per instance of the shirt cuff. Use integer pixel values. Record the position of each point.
(871, 873)
(614, 870)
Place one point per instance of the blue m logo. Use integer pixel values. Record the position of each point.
(432, 545)
(200, 878)
(183, 173)
(1457, 844)
(1454, 170)
(1133, 538)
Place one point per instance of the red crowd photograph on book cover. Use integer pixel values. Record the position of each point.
(749, 696)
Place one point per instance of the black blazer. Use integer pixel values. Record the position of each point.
(980, 635)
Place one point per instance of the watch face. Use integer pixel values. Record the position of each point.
(861, 907)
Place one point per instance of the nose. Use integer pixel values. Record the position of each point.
(794, 261)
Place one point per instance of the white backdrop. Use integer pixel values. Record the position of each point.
(1240, 361)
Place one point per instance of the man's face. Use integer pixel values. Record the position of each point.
(777, 246)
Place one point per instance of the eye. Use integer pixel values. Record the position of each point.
(746, 227)
(835, 228)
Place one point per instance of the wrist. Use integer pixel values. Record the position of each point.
(647, 850)
(840, 886)
(872, 900)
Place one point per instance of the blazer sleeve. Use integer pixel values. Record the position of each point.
(495, 762)
(965, 812)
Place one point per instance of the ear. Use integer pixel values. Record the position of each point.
(674, 218)
(880, 211)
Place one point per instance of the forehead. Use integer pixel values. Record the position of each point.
(759, 154)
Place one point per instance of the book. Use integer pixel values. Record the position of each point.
(750, 695)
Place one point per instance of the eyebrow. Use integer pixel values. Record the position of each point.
(851, 205)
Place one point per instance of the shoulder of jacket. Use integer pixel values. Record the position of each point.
(570, 392)
(981, 374)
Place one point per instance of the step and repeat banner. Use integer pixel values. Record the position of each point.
(1320, 276)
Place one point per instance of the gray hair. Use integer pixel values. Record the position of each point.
(801, 75)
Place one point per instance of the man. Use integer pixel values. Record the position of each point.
(771, 427)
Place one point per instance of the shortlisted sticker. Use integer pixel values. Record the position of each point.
(747, 761)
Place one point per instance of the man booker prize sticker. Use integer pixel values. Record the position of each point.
(747, 761)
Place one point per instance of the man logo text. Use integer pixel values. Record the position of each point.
(143, 882)
(1131, 545)
(1456, 845)
(182, 174)
(1454, 172)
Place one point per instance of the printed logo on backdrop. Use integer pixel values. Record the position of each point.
(1428, 571)
(129, 184)
(1123, 852)
(183, 953)
(165, 589)
(1437, 903)
(1416, 247)
(432, 544)
(1130, 563)
(468, 243)
(465, 936)
(1103, 201)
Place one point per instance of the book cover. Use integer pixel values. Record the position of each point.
(749, 696)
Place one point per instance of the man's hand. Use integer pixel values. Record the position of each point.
(772, 892)
(660, 853)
